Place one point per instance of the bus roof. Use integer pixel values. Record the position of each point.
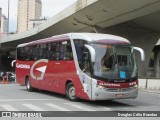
(91, 37)
(101, 38)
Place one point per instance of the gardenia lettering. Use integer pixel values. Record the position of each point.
(109, 84)
(22, 66)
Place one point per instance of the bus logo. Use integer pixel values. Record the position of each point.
(40, 69)
(24, 66)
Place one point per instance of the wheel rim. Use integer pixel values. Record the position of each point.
(72, 92)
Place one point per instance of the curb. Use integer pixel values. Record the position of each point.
(150, 90)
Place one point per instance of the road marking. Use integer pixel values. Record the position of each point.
(57, 107)
(8, 107)
(8, 100)
(33, 107)
(79, 107)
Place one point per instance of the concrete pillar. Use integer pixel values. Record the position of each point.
(139, 37)
(157, 63)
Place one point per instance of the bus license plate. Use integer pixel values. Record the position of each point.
(119, 95)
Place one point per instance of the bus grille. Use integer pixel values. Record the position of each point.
(120, 90)
(112, 90)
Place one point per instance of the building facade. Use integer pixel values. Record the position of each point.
(36, 22)
(27, 10)
(4, 24)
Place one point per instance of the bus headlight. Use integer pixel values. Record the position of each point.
(133, 84)
(101, 87)
(136, 86)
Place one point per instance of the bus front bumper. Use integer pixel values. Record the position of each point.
(109, 94)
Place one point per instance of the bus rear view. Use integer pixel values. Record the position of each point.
(89, 66)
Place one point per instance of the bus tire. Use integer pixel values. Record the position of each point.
(70, 92)
(28, 85)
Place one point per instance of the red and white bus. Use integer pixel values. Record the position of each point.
(89, 66)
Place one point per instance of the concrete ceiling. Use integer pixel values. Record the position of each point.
(151, 21)
(83, 15)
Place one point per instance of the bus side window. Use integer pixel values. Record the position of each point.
(41, 52)
(36, 57)
(29, 53)
(59, 51)
(47, 54)
(82, 56)
(86, 61)
(79, 51)
(34, 52)
(44, 51)
(26, 53)
(66, 51)
(62, 50)
(53, 51)
(20, 54)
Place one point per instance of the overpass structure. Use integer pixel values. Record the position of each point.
(136, 20)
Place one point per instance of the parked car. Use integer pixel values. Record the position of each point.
(11, 76)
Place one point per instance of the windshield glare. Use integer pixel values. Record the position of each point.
(114, 62)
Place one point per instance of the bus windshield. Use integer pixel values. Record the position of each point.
(114, 62)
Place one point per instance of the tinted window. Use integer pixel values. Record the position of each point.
(83, 56)
(51, 51)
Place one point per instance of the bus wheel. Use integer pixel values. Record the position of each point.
(28, 85)
(70, 92)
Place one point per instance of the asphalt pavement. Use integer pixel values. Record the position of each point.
(14, 97)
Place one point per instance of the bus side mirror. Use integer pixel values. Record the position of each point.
(141, 52)
(12, 63)
(92, 52)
